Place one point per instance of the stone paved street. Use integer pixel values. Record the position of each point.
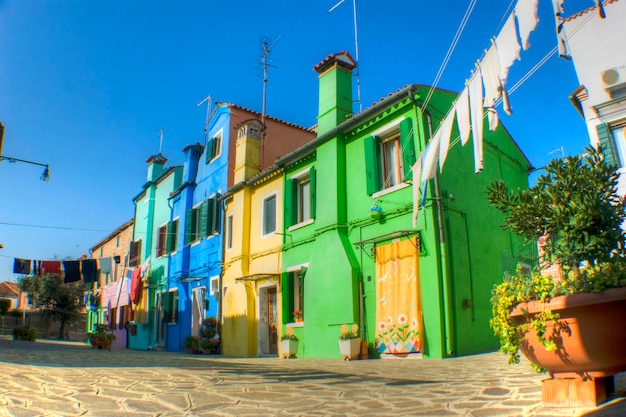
(50, 378)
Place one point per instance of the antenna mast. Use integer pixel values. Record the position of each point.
(265, 62)
(161, 132)
(356, 50)
(206, 100)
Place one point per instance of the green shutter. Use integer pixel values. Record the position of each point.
(203, 212)
(372, 164)
(290, 203)
(607, 144)
(287, 296)
(212, 216)
(408, 147)
(172, 230)
(312, 192)
(209, 150)
(189, 227)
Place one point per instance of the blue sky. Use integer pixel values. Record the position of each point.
(85, 86)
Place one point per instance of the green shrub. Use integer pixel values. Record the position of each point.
(25, 333)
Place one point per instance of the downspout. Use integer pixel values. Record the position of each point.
(448, 334)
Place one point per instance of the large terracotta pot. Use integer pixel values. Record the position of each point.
(590, 335)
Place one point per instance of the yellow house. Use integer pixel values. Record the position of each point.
(252, 252)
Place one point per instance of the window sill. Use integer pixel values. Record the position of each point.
(390, 190)
(298, 324)
(301, 224)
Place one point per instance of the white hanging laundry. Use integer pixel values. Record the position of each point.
(508, 47)
(431, 154)
(490, 71)
(557, 5)
(444, 144)
(476, 115)
(417, 174)
(527, 19)
(461, 107)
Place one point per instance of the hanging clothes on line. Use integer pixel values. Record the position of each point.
(461, 108)
(490, 71)
(21, 266)
(476, 115)
(72, 271)
(88, 269)
(51, 267)
(416, 170)
(527, 19)
(557, 5)
(446, 131)
(508, 48)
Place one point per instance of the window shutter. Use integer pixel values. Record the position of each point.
(290, 203)
(607, 144)
(312, 192)
(372, 164)
(189, 227)
(135, 253)
(172, 230)
(212, 216)
(214, 146)
(209, 150)
(408, 147)
(287, 281)
(203, 217)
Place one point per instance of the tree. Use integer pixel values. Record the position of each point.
(58, 299)
(574, 206)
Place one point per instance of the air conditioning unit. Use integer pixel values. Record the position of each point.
(614, 77)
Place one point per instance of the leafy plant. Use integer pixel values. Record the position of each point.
(575, 208)
(192, 343)
(25, 333)
(349, 332)
(101, 336)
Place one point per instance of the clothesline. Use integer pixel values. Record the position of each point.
(490, 74)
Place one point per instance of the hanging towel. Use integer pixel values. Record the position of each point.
(461, 108)
(527, 19)
(72, 271)
(106, 265)
(476, 114)
(557, 6)
(508, 48)
(431, 154)
(490, 71)
(446, 130)
(88, 268)
(36, 268)
(51, 267)
(135, 288)
(144, 267)
(21, 266)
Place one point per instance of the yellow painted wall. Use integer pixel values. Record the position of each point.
(251, 253)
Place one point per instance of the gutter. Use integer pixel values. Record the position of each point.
(398, 96)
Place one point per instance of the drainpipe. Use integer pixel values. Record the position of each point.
(448, 330)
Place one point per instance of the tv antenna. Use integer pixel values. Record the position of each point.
(356, 50)
(560, 149)
(266, 63)
(206, 100)
(161, 133)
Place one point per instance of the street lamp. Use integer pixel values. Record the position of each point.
(46, 172)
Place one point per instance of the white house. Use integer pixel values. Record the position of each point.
(598, 51)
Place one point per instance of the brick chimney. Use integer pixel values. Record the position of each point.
(247, 154)
(155, 166)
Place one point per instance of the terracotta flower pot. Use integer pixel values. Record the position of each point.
(590, 334)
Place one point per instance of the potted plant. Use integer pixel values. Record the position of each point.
(349, 342)
(192, 344)
(206, 345)
(101, 338)
(570, 326)
(297, 316)
(289, 344)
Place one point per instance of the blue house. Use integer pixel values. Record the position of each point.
(195, 231)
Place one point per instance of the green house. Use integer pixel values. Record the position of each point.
(351, 254)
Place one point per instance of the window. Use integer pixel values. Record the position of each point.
(389, 157)
(229, 232)
(269, 215)
(214, 148)
(203, 220)
(117, 242)
(300, 198)
(295, 294)
(161, 241)
(215, 289)
(172, 307)
(135, 253)
(101, 252)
